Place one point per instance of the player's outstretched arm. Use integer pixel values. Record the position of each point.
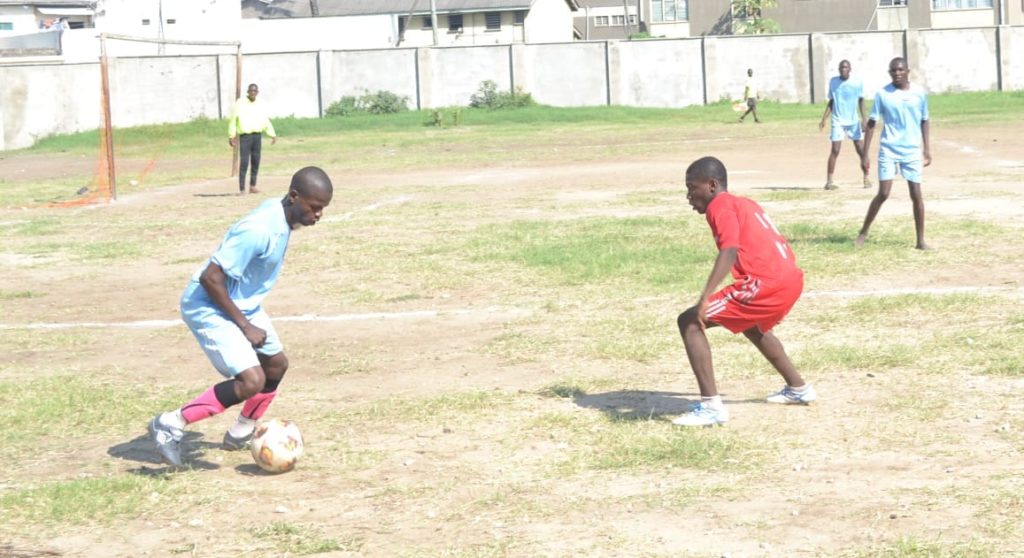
(214, 281)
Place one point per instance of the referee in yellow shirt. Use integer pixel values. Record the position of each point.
(246, 126)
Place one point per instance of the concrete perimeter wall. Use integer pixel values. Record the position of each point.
(44, 99)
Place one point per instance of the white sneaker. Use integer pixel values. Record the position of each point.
(702, 415)
(167, 439)
(234, 444)
(789, 396)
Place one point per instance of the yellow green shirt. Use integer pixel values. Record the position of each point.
(248, 117)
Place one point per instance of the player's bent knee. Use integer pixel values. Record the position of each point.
(275, 366)
(687, 319)
(251, 382)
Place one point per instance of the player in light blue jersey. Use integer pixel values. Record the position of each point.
(846, 105)
(903, 146)
(222, 305)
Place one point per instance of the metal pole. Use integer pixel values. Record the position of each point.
(231, 113)
(587, 34)
(108, 131)
(433, 19)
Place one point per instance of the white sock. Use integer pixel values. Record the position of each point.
(713, 402)
(800, 389)
(174, 418)
(242, 427)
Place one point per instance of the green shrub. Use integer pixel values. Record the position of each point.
(488, 97)
(347, 106)
(384, 102)
(381, 102)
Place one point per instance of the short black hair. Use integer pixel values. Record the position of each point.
(709, 168)
(307, 179)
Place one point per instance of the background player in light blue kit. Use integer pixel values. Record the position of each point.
(903, 146)
(845, 103)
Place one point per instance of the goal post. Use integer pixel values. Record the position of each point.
(108, 157)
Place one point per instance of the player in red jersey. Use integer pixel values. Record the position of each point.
(766, 285)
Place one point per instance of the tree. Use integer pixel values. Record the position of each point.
(747, 17)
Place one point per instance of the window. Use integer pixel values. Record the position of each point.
(601, 21)
(618, 21)
(960, 4)
(427, 22)
(401, 28)
(6, 26)
(145, 22)
(520, 17)
(171, 21)
(455, 23)
(669, 10)
(493, 21)
(890, 3)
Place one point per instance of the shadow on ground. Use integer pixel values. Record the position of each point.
(644, 405)
(142, 450)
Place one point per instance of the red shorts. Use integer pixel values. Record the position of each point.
(754, 302)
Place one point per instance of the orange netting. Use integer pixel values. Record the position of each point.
(99, 189)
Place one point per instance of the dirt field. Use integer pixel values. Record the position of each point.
(426, 397)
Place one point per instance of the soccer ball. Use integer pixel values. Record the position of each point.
(276, 445)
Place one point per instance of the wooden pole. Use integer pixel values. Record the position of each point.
(108, 128)
(231, 113)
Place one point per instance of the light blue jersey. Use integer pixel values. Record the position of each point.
(251, 255)
(845, 96)
(902, 112)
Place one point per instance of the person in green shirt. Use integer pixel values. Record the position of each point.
(246, 126)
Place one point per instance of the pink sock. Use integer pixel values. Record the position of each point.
(256, 405)
(204, 406)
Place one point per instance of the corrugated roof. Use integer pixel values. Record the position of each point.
(302, 8)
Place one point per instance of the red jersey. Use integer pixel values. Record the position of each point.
(762, 251)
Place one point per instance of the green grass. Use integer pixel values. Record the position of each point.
(443, 407)
(654, 252)
(597, 443)
(300, 540)
(16, 295)
(82, 501)
(36, 413)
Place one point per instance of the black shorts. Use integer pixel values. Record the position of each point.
(751, 102)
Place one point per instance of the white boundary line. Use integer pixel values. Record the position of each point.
(160, 324)
(398, 200)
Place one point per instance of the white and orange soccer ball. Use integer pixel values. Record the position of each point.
(276, 445)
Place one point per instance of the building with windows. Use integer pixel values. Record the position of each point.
(20, 17)
(605, 19)
(405, 23)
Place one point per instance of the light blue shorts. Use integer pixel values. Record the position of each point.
(853, 131)
(910, 170)
(225, 345)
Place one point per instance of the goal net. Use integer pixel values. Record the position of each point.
(104, 186)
